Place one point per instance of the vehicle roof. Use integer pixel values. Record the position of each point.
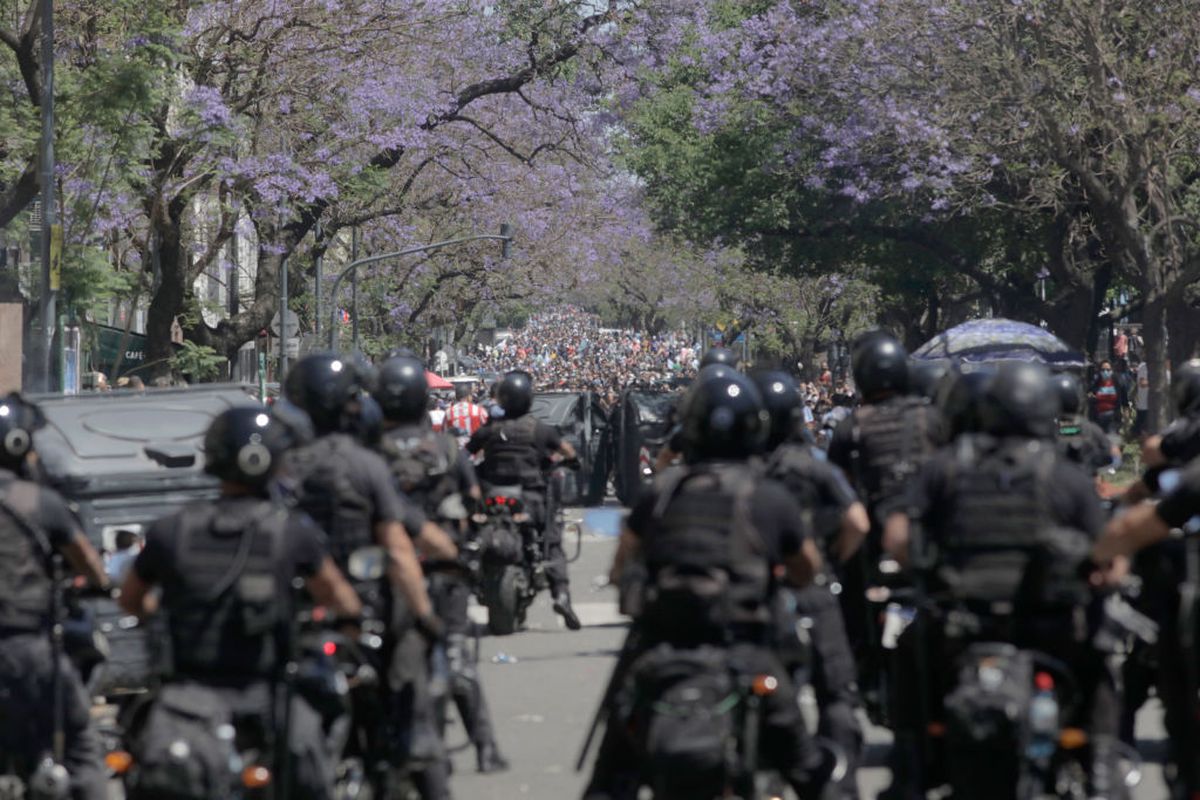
(99, 435)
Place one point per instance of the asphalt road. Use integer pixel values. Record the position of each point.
(546, 683)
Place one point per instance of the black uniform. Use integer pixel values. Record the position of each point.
(824, 495)
(689, 521)
(1085, 443)
(515, 450)
(879, 447)
(436, 474)
(984, 510)
(1181, 440)
(1177, 684)
(348, 490)
(226, 571)
(26, 660)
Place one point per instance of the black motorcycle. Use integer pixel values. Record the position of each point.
(511, 555)
(72, 633)
(1007, 730)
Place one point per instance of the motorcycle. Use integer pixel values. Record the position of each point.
(72, 633)
(339, 673)
(1006, 729)
(511, 556)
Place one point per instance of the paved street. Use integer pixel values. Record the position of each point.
(544, 701)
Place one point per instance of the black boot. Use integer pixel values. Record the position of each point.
(489, 759)
(562, 607)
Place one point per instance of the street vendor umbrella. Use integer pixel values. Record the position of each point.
(437, 381)
(982, 341)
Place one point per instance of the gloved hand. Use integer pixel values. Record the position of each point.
(431, 627)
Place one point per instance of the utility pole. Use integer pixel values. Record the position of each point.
(318, 268)
(354, 288)
(47, 311)
(283, 319)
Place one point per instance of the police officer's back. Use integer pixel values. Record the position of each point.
(716, 523)
(884, 442)
(1010, 523)
(35, 528)
(839, 523)
(226, 570)
(436, 474)
(516, 448)
(346, 488)
(349, 492)
(1082, 440)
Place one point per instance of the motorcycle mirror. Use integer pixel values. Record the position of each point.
(367, 564)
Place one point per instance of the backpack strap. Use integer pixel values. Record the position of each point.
(27, 526)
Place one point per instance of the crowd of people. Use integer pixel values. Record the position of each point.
(569, 349)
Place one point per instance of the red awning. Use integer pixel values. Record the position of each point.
(437, 381)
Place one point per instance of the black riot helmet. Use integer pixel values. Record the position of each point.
(1185, 388)
(515, 393)
(1020, 401)
(781, 399)
(244, 445)
(18, 420)
(880, 366)
(1070, 393)
(958, 398)
(323, 384)
(724, 418)
(367, 424)
(924, 378)
(402, 390)
(719, 355)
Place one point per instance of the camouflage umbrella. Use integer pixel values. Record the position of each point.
(982, 341)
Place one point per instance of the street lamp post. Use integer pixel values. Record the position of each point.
(47, 301)
(504, 236)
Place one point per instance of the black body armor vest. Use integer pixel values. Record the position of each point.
(707, 569)
(327, 494)
(891, 441)
(422, 462)
(227, 620)
(25, 582)
(512, 457)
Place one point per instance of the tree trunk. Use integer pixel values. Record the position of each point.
(1182, 319)
(1154, 330)
(171, 291)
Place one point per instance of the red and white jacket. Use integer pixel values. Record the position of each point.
(466, 417)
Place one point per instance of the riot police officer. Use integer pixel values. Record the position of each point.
(436, 474)
(1163, 561)
(880, 446)
(1082, 440)
(515, 449)
(715, 517)
(924, 378)
(226, 570)
(36, 527)
(839, 523)
(719, 357)
(348, 490)
(1180, 442)
(1008, 528)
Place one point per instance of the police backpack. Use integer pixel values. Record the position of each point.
(681, 705)
(182, 742)
(422, 466)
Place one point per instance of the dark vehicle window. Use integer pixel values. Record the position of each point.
(652, 409)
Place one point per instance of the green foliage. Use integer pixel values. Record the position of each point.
(199, 362)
